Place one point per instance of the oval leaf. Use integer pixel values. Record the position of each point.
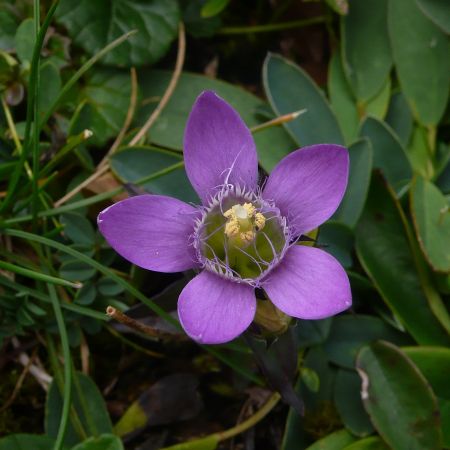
(437, 11)
(384, 251)
(398, 399)
(420, 51)
(93, 25)
(432, 223)
(388, 153)
(365, 47)
(134, 163)
(290, 89)
(361, 160)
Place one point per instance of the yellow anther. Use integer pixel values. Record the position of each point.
(251, 210)
(243, 221)
(247, 236)
(260, 221)
(232, 228)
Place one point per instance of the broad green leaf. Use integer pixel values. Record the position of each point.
(312, 332)
(93, 25)
(349, 333)
(77, 228)
(76, 271)
(50, 85)
(290, 89)
(388, 153)
(134, 163)
(103, 442)
(213, 7)
(420, 52)
(366, 52)
(8, 26)
(108, 287)
(348, 402)
(399, 118)
(430, 211)
(24, 40)
(398, 399)
(105, 98)
(434, 363)
(272, 143)
(419, 152)
(437, 11)
(385, 253)
(88, 406)
(361, 160)
(26, 442)
(86, 295)
(378, 105)
(334, 441)
(337, 239)
(371, 443)
(341, 98)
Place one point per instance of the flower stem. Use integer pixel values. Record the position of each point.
(231, 432)
(273, 26)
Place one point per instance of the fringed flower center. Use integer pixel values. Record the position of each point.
(240, 236)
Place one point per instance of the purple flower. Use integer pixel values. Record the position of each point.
(242, 237)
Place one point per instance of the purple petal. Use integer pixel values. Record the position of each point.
(214, 310)
(218, 147)
(308, 185)
(151, 231)
(309, 284)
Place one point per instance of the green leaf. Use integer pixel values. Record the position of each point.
(377, 106)
(104, 103)
(24, 39)
(431, 217)
(8, 26)
(437, 11)
(76, 271)
(349, 405)
(361, 160)
(349, 333)
(290, 89)
(92, 25)
(88, 410)
(341, 98)
(334, 441)
(337, 239)
(272, 143)
(312, 332)
(103, 442)
(420, 52)
(384, 251)
(26, 442)
(371, 443)
(77, 228)
(366, 52)
(398, 399)
(434, 363)
(108, 287)
(419, 152)
(134, 163)
(388, 153)
(399, 118)
(50, 85)
(213, 7)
